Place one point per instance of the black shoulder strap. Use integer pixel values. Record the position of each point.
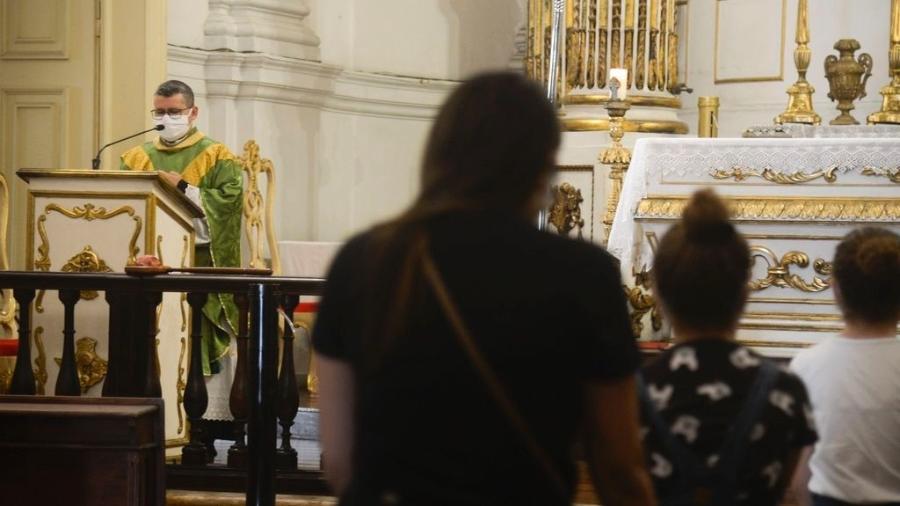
(731, 456)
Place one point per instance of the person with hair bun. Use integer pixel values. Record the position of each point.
(854, 380)
(722, 425)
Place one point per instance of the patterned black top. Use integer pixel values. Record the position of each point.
(699, 388)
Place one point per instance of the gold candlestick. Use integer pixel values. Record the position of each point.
(617, 156)
(890, 105)
(800, 108)
(708, 123)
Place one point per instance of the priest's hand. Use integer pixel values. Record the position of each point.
(172, 177)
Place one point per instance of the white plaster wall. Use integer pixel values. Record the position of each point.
(757, 103)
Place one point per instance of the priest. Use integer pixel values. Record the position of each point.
(210, 175)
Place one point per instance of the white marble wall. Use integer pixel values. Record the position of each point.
(342, 111)
(756, 103)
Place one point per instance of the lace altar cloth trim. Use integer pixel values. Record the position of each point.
(672, 159)
(808, 131)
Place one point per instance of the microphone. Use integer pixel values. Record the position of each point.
(95, 163)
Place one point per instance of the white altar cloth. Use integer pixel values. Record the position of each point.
(307, 259)
(681, 166)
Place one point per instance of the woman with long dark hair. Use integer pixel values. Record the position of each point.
(461, 351)
(724, 425)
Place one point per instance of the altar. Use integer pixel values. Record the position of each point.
(792, 198)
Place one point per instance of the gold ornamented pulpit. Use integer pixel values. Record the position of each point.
(101, 221)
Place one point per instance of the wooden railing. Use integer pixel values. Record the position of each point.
(259, 397)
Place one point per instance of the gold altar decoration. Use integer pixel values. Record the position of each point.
(88, 212)
(781, 208)
(890, 104)
(893, 175)
(8, 327)
(40, 362)
(617, 156)
(90, 366)
(779, 271)
(800, 106)
(773, 176)
(708, 117)
(638, 35)
(259, 217)
(642, 302)
(565, 211)
(86, 261)
(847, 78)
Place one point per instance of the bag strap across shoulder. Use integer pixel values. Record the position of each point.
(489, 377)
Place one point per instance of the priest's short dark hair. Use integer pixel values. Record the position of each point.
(174, 87)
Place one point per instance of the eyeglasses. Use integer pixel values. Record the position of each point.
(158, 114)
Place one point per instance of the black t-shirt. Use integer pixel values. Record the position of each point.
(699, 388)
(548, 314)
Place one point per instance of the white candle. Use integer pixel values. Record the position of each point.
(620, 75)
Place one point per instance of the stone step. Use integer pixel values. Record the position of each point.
(194, 498)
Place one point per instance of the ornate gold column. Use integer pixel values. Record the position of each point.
(890, 106)
(638, 35)
(800, 108)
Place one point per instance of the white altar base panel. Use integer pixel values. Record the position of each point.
(840, 185)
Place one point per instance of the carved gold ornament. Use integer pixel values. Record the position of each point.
(798, 177)
(770, 209)
(90, 366)
(642, 302)
(40, 362)
(847, 78)
(86, 261)
(256, 217)
(7, 301)
(892, 174)
(565, 211)
(779, 271)
(180, 385)
(87, 212)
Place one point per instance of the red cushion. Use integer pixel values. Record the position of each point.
(9, 347)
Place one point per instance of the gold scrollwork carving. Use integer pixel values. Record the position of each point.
(90, 366)
(892, 174)
(565, 211)
(7, 302)
(779, 273)
(798, 177)
(786, 208)
(180, 385)
(642, 302)
(257, 218)
(86, 261)
(40, 362)
(87, 212)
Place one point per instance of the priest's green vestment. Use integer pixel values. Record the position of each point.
(209, 166)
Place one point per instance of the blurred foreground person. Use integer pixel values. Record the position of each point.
(724, 426)
(854, 380)
(461, 350)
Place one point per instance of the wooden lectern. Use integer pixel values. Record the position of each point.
(101, 221)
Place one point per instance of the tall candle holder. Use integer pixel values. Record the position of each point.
(617, 156)
(800, 106)
(890, 106)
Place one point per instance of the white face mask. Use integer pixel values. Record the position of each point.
(175, 128)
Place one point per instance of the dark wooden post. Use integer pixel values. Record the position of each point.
(111, 384)
(288, 395)
(67, 380)
(150, 302)
(238, 401)
(262, 429)
(23, 376)
(195, 396)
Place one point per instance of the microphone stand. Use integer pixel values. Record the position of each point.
(95, 163)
